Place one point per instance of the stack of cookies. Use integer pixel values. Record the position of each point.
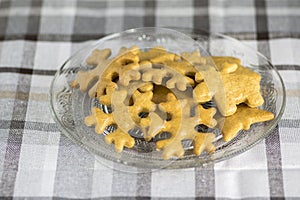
(161, 92)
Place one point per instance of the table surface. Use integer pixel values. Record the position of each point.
(38, 162)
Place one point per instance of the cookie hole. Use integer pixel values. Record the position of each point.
(186, 143)
(162, 136)
(115, 77)
(142, 146)
(209, 104)
(129, 102)
(168, 117)
(136, 133)
(193, 112)
(165, 79)
(97, 103)
(89, 67)
(109, 109)
(191, 75)
(126, 61)
(203, 128)
(109, 129)
(143, 114)
(106, 109)
(157, 66)
(104, 91)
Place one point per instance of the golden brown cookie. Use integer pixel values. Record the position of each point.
(121, 70)
(173, 146)
(242, 119)
(84, 79)
(180, 126)
(173, 108)
(241, 86)
(106, 70)
(101, 120)
(98, 56)
(174, 79)
(119, 136)
(121, 112)
(206, 116)
(120, 139)
(141, 103)
(182, 68)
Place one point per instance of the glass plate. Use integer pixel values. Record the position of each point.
(70, 106)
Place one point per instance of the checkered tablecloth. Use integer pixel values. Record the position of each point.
(38, 162)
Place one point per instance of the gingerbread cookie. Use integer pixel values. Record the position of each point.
(98, 56)
(141, 103)
(242, 119)
(174, 79)
(206, 116)
(179, 126)
(120, 139)
(120, 69)
(241, 86)
(184, 66)
(101, 120)
(85, 78)
(106, 69)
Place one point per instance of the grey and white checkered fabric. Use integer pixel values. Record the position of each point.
(38, 162)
